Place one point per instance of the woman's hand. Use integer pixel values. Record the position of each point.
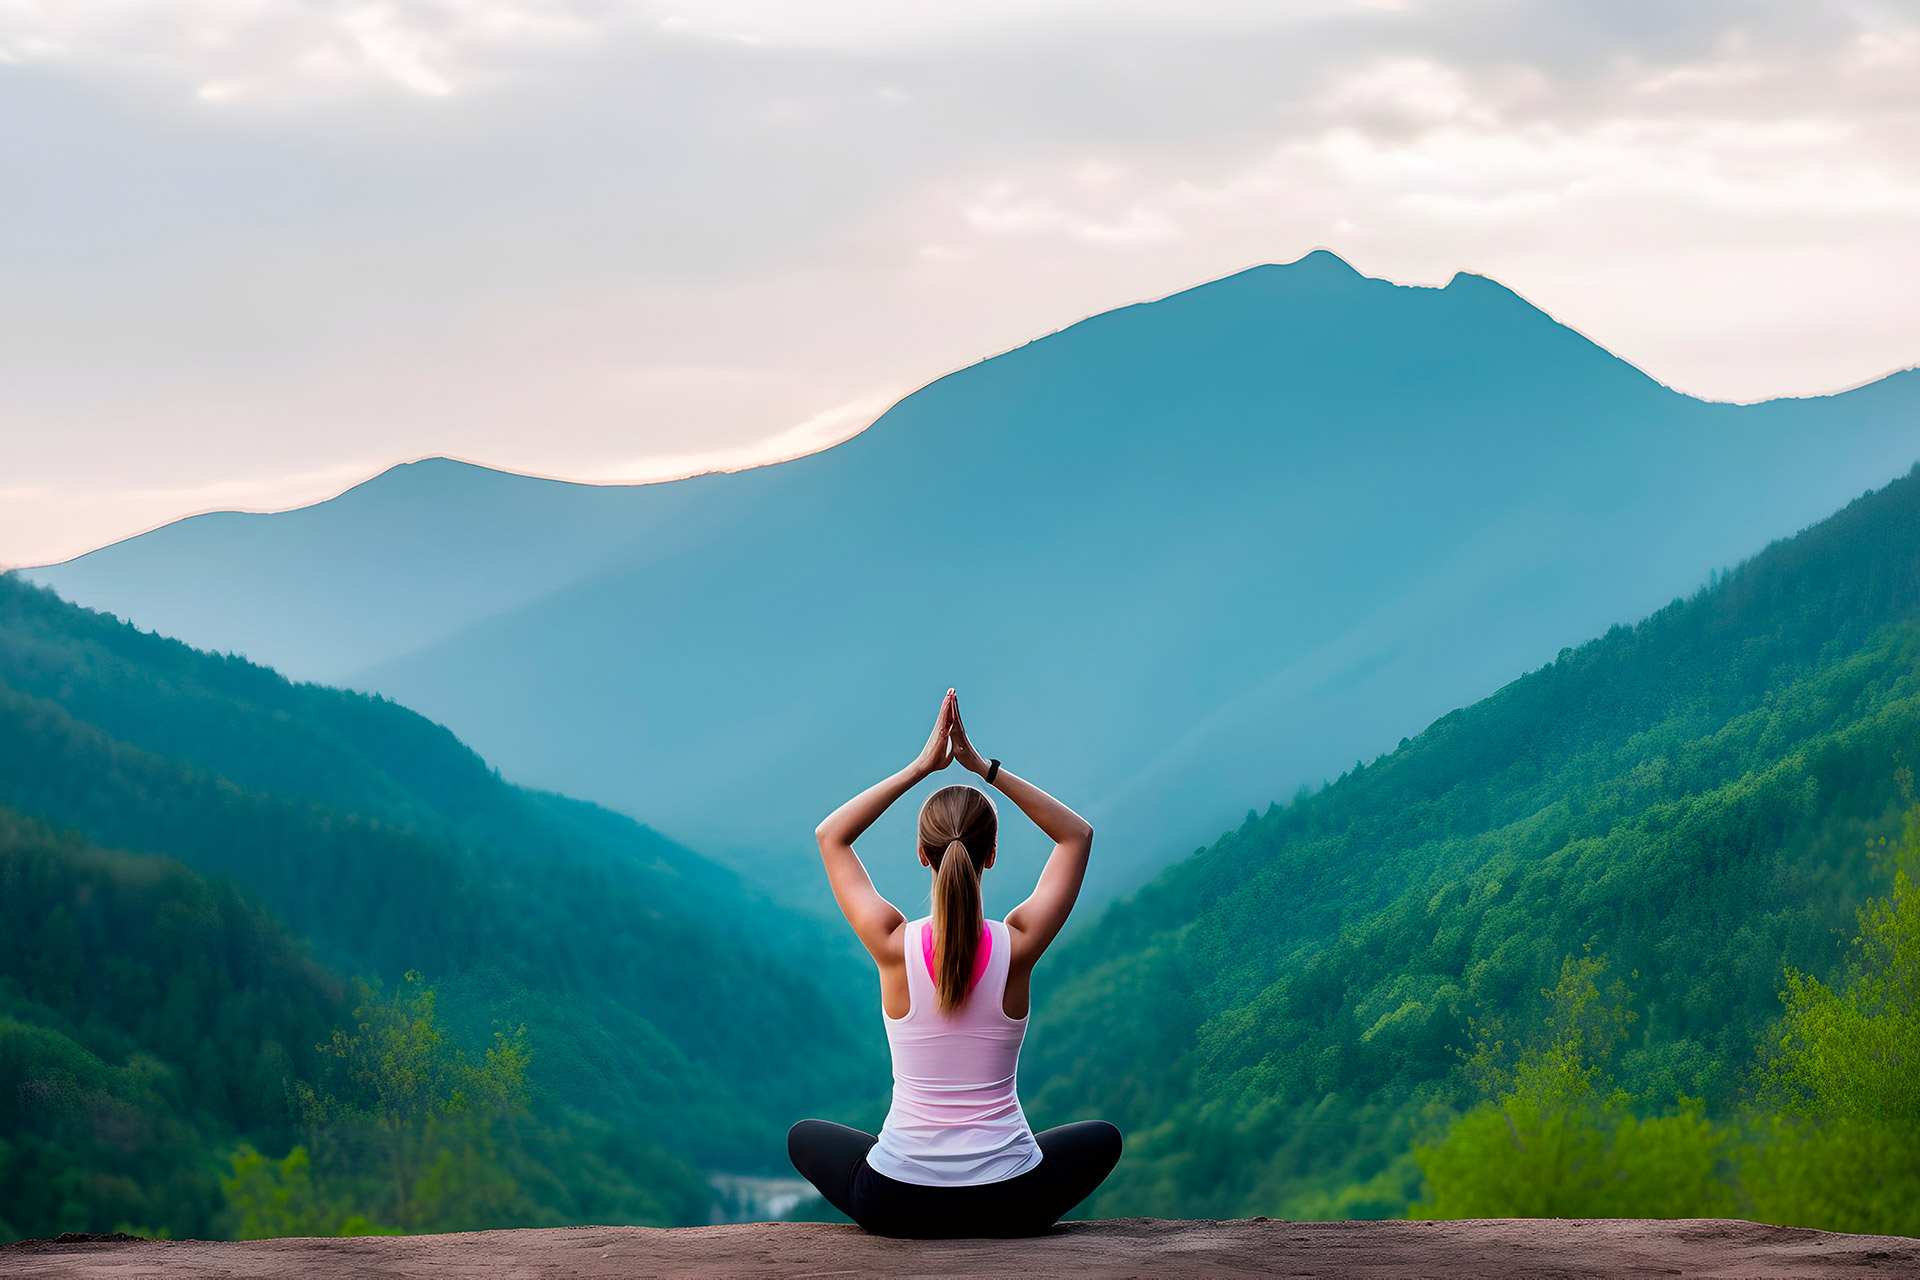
(878, 923)
(938, 753)
(963, 751)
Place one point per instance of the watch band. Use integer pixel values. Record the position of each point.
(993, 771)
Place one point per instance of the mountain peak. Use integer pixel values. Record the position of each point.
(1324, 262)
(1470, 282)
(1323, 268)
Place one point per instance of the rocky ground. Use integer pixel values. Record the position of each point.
(1142, 1247)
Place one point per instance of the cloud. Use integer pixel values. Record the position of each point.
(233, 50)
(261, 49)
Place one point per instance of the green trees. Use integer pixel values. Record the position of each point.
(412, 1141)
(1273, 1021)
(268, 1198)
(421, 1112)
(1833, 1137)
(1553, 1140)
(406, 1132)
(172, 1062)
(146, 1015)
(1841, 1150)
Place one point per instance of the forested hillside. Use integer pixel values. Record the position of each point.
(1276, 1020)
(660, 997)
(158, 1032)
(145, 1014)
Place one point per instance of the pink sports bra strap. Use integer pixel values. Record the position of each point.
(980, 957)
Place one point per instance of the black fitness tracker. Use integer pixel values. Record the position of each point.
(993, 771)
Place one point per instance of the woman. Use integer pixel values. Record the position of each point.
(955, 1156)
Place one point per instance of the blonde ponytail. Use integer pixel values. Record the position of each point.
(958, 826)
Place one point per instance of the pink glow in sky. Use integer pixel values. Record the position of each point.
(254, 251)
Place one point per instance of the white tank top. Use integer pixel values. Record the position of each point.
(956, 1119)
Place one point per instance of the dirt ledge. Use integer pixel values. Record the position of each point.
(1124, 1247)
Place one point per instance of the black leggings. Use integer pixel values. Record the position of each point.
(1075, 1158)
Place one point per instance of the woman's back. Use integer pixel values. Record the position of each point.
(956, 1118)
(956, 1157)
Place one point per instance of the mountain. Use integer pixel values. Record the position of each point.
(661, 995)
(1177, 556)
(1694, 797)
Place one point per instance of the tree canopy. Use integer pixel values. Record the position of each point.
(1276, 1022)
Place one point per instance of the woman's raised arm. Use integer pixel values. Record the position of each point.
(1036, 922)
(876, 921)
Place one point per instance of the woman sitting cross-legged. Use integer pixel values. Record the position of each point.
(955, 1156)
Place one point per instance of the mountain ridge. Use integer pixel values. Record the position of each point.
(1295, 495)
(1320, 267)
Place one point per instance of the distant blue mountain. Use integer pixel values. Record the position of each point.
(1180, 558)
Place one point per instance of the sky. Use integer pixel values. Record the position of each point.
(255, 251)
